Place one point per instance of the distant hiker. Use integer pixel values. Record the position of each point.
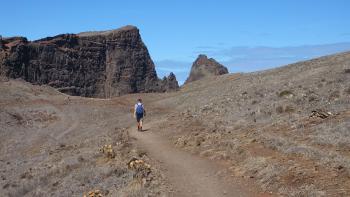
(139, 112)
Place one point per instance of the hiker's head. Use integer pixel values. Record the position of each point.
(139, 100)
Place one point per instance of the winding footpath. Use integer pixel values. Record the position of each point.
(190, 175)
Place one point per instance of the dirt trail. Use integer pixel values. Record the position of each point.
(189, 175)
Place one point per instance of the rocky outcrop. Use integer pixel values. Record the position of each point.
(204, 67)
(170, 83)
(92, 64)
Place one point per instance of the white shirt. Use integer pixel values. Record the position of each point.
(137, 104)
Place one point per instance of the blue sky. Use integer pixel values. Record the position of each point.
(243, 35)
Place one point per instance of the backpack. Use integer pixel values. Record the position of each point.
(139, 108)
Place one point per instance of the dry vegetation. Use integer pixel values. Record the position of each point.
(286, 129)
(50, 146)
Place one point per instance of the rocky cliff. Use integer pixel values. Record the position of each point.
(204, 67)
(170, 83)
(92, 64)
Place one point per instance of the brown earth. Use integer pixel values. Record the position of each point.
(280, 132)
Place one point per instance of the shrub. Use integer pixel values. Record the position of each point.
(347, 91)
(289, 109)
(313, 98)
(334, 95)
(279, 109)
(285, 93)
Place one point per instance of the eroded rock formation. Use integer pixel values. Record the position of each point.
(204, 67)
(93, 64)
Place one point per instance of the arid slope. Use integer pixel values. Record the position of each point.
(286, 129)
(282, 131)
(50, 145)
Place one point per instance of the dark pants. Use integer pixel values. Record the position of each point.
(139, 117)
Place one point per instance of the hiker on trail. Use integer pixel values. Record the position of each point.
(139, 112)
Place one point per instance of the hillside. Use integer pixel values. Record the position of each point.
(286, 129)
(279, 132)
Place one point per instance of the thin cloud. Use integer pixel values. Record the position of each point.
(180, 68)
(248, 59)
(258, 58)
(264, 52)
(171, 69)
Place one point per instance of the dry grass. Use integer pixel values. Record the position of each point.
(304, 190)
(279, 109)
(285, 93)
(332, 134)
(347, 91)
(267, 173)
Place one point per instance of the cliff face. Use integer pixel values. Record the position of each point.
(93, 64)
(204, 67)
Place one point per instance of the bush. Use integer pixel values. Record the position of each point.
(254, 102)
(285, 93)
(334, 95)
(347, 91)
(289, 109)
(279, 109)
